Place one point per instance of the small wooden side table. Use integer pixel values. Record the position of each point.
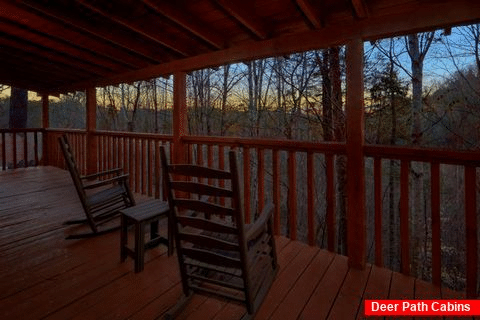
(149, 212)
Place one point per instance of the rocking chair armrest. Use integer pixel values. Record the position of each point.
(122, 178)
(99, 174)
(257, 227)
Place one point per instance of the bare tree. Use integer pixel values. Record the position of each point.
(417, 47)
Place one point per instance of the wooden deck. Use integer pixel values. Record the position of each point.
(44, 276)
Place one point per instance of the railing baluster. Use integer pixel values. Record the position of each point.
(115, 152)
(377, 174)
(4, 152)
(110, 152)
(404, 212)
(150, 167)
(261, 179)
(126, 158)
(310, 199)
(105, 148)
(276, 191)
(53, 150)
(137, 167)
(292, 194)
(144, 164)
(106, 153)
(221, 166)
(83, 152)
(131, 168)
(246, 184)
(330, 200)
(35, 147)
(25, 149)
(119, 142)
(157, 169)
(79, 150)
(200, 158)
(210, 159)
(471, 230)
(100, 152)
(436, 243)
(14, 147)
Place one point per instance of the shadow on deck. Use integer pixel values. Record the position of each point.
(44, 276)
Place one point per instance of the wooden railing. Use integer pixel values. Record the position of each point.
(298, 177)
(20, 148)
(470, 161)
(277, 171)
(136, 153)
(77, 139)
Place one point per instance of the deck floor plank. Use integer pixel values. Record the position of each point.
(292, 305)
(349, 298)
(378, 287)
(44, 276)
(286, 279)
(322, 299)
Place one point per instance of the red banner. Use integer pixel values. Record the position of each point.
(422, 307)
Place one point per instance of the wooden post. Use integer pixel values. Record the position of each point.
(180, 124)
(471, 230)
(356, 227)
(91, 127)
(45, 125)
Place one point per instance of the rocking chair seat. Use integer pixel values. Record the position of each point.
(101, 199)
(106, 196)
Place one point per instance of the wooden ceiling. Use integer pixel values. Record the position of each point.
(65, 45)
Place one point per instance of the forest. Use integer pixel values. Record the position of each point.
(421, 90)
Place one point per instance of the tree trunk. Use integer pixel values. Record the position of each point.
(417, 49)
(327, 123)
(226, 71)
(339, 135)
(251, 95)
(18, 108)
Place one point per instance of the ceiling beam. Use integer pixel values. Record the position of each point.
(34, 74)
(56, 46)
(52, 56)
(311, 13)
(159, 38)
(20, 59)
(187, 22)
(102, 32)
(360, 8)
(59, 32)
(6, 78)
(424, 17)
(244, 15)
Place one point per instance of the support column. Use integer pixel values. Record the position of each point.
(91, 127)
(45, 125)
(180, 122)
(356, 226)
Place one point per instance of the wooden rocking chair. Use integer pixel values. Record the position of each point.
(101, 199)
(217, 253)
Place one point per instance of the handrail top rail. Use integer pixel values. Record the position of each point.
(269, 143)
(143, 135)
(421, 154)
(114, 133)
(445, 156)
